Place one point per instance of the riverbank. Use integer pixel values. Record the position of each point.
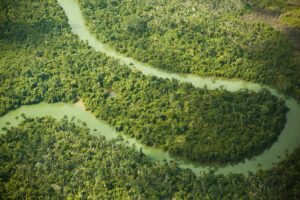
(91, 76)
(197, 41)
(80, 104)
(69, 158)
(44, 158)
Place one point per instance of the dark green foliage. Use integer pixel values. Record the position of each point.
(280, 182)
(47, 159)
(208, 38)
(198, 124)
(194, 123)
(288, 11)
(275, 5)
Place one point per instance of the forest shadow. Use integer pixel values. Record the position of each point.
(21, 32)
(294, 36)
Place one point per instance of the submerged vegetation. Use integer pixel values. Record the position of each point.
(47, 159)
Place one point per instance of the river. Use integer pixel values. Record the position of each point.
(288, 140)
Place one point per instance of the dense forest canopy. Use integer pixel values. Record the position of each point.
(43, 61)
(208, 38)
(49, 159)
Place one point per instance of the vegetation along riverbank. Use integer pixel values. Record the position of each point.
(43, 61)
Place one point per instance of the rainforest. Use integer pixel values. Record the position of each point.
(201, 99)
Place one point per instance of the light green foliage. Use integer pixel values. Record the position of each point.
(292, 18)
(41, 60)
(198, 124)
(208, 38)
(47, 159)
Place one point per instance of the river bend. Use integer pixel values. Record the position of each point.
(288, 140)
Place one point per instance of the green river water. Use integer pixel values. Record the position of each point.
(288, 140)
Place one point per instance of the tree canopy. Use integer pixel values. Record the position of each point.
(43, 158)
(198, 124)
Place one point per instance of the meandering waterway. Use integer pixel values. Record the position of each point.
(288, 140)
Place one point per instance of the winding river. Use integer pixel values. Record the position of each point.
(288, 140)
